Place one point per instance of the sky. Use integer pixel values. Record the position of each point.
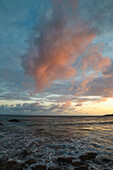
(56, 57)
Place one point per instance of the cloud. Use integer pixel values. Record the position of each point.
(92, 59)
(109, 72)
(59, 40)
(97, 99)
(61, 107)
(34, 108)
(55, 50)
(92, 64)
(79, 104)
(101, 86)
(25, 108)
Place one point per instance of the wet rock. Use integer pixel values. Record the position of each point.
(64, 160)
(106, 160)
(11, 165)
(103, 161)
(77, 163)
(1, 124)
(20, 166)
(98, 161)
(39, 167)
(54, 168)
(83, 167)
(2, 164)
(26, 153)
(88, 156)
(14, 120)
(39, 156)
(31, 161)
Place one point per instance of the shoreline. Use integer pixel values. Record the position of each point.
(53, 115)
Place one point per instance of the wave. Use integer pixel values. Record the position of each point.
(84, 123)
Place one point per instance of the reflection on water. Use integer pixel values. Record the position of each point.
(50, 137)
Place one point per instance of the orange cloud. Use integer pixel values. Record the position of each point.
(66, 105)
(61, 41)
(61, 106)
(55, 60)
(92, 61)
(62, 38)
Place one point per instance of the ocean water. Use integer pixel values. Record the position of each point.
(48, 138)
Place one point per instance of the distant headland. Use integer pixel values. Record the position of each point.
(108, 115)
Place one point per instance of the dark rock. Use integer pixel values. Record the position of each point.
(64, 160)
(88, 156)
(101, 161)
(106, 160)
(31, 161)
(77, 163)
(14, 120)
(39, 156)
(12, 165)
(83, 167)
(39, 167)
(54, 168)
(20, 166)
(2, 165)
(26, 153)
(3, 161)
(1, 124)
(98, 161)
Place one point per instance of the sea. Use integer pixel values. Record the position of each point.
(45, 139)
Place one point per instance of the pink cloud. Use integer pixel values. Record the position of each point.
(61, 41)
(56, 58)
(61, 106)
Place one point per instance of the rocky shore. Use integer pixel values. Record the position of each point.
(30, 145)
(61, 163)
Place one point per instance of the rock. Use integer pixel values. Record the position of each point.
(31, 161)
(1, 124)
(64, 160)
(101, 161)
(106, 160)
(54, 168)
(20, 166)
(26, 153)
(12, 165)
(83, 167)
(39, 167)
(2, 164)
(77, 163)
(88, 156)
(14, 120)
